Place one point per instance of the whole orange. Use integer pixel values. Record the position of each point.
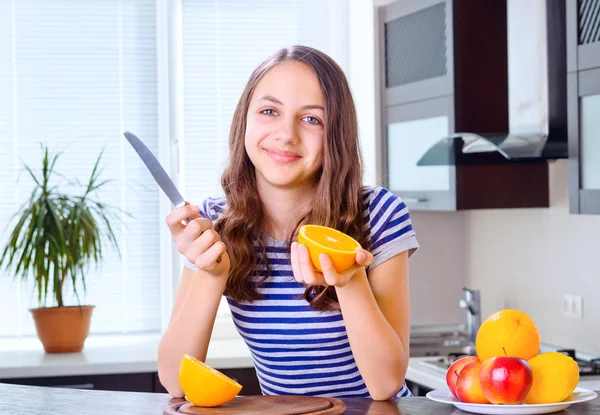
(508, 333)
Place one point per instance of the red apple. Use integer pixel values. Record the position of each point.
(468, 387)
(454, 371)
(505, 380)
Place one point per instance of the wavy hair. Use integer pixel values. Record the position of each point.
(338, 201)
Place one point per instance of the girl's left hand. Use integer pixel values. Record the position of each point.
(305, 273)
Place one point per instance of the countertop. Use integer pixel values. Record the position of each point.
(108, 355)
(138, 354)
(32, 400)
(116, 354)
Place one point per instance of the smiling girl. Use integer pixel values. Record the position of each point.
(295, 159)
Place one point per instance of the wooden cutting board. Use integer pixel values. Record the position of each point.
(261, 405)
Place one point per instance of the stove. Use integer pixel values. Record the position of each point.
(586, 367)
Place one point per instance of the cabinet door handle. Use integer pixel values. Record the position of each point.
(76, 386)
(415, 199)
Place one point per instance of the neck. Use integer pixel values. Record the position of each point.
(283, 207)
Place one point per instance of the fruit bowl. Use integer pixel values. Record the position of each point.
(444, 396)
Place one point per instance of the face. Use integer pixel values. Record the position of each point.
(285, 127)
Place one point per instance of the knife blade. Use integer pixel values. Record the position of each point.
(157, 171)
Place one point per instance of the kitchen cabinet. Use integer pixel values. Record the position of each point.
(417, 389)
(132, 382)
(444, 69)
(583, 90)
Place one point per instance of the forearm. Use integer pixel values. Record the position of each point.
(189, 330)
(380, 354)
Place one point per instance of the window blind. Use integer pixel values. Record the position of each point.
(75, 75)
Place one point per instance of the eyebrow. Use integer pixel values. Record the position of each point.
(278, 102)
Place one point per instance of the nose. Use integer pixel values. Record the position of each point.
(287, 133)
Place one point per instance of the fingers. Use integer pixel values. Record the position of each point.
(176, 218)
(296, 263)
(329, 273)
(364, 258)
(208, 260)
(195, 236)
(197, 227)
(309, 275)
(193, 248)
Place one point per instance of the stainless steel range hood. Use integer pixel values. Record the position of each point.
(537, 94)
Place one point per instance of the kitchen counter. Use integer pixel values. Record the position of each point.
(107, 355)
(32, 400)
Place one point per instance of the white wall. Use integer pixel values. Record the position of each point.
(529, 258)
(438, 268)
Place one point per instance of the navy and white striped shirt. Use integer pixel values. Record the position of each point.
(296, 350)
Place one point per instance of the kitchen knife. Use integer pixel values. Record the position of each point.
(159, 174)
(157, 171)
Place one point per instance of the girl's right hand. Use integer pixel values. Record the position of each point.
(198, 241)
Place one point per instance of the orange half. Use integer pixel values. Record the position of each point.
(340, 247)
(205, 386)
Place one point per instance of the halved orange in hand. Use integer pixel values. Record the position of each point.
(205, 386)
(340, 247)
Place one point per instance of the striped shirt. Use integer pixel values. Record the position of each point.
(296, 350)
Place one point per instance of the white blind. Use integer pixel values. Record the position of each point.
(75, 75)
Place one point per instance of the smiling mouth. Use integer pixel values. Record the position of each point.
(282, 156)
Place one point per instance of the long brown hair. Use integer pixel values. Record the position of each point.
(338, 201)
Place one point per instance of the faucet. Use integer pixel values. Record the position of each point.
(472, 305)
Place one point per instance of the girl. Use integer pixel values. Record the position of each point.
(294, 159)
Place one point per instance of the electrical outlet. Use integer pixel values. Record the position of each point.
(578, 307)
(573, 306)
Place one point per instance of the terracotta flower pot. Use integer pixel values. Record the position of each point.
(62, 329)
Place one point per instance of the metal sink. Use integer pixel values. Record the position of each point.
(440, 342)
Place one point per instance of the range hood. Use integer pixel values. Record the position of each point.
(537, 94)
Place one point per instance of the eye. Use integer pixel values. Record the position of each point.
(268, 111)
(312, 120)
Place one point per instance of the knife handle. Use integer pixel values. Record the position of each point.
(188, 220)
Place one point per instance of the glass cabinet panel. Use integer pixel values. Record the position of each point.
(407, 141)
(590, 141)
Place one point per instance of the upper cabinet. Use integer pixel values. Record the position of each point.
(444, 71)
(583, 63)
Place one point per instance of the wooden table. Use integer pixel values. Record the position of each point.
(33, 400)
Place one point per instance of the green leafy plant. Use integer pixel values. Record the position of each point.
(58, 235)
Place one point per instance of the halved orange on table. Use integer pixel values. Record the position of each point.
(340, 247)
(205, 386)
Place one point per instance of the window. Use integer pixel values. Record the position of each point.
(75, 75)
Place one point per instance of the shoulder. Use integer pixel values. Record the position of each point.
(213, 207)
(380, 203)
(389, 223)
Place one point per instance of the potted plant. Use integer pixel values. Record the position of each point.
(56, 237)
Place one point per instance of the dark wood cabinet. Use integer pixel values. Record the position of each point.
(444, 69)
(583, 91)
(132, 382)
(417, 389)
